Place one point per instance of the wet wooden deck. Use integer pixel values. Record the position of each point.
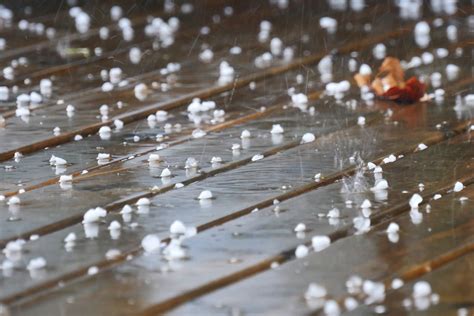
(243, 259)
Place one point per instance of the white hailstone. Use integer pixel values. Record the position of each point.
(378, 169)
(113, 254)
(94, 215)
(236, 50)
(107, 87)
(70, 238)
(104, 33)
(206, 56)
(442, 52)
(331, 308)
(352, 64)
(36, 264)
(396, 284)
(257, 157)
(415, 201)
(350, 303)
(8, 73)
(338, 89)
(379, 51)
(114, 225)
(92, 270)
(235, 147)
(165, 173)
(161, 116)
(301, 251)
(57, 161)
(154, 158)
(135, 55)
(178, 228)
(198, 133)
(299, 99)
(178, 185)
(308, 138)
(458, 186)
(427, 58)
(65, 178)
(143, 202)
(334, 213)
(361, 120)
(35, 98)
(205, 195)
(374, 290)
(325, 65)
(277, 129)
(421, 289)
(14, 200)
(56, 131)
(315, 291)
(452, 33)
(393, 228)
(141, 91)
(421, 147)
(320, 243)
(371, 166)
(437, 197)
(366, 204)
(317, 177)
(126, 209)
(103, 156)
(4, 93)
(151, 243)
(436, 78)
(301, 227)
(104, 110)
(389, 159)
(118, 124)
(329, 24)
(245, 134)
(365, 70)
(115, 75)
(381, 184)
(216, 160)
(2, 197)
(276, 46)
(105, 130)
(469, 100)
(116, 12)
(452, 72)
(422, 29)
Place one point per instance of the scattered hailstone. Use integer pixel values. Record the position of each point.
(151, 243)
(245, 134)
(92, 270)
(334, 213)
(320, 243)
(458, 186)
(315, 291)
(143, 202)
(257, 157)
(277, 129)
(366, 204)
(301, 227)
(382, 184)
(421, 289)
(205, 195)
(422, 147)
(70, 238)
(393, 228)
(198, 133)
(308, 138)
(36, 264)
(126, 209)
(14, 200)
(215, 160)
(153, 158)
(415, 201)
(389, 159)
(103, 156)
(329, 24)
(118, 124)
(65, 178)
(94, 215)
(141, 91)
(114, 225)
(361, 120)
(331, 308)
(299, 99)
(165, 173)
(301, 251)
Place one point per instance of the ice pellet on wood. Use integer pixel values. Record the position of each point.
(205, 195)
(320, 243)
(458, 186)
(151, 243)
(308, 138)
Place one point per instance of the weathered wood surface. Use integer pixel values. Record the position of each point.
(227, 269)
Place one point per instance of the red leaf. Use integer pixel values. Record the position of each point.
(413, 91)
